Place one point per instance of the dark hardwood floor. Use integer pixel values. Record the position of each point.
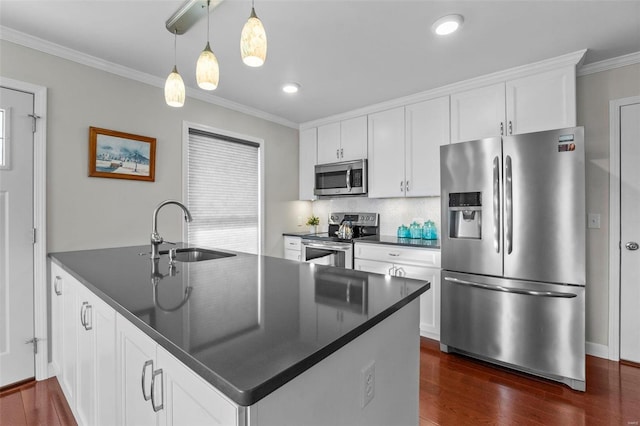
(454, 390)
(35, 403)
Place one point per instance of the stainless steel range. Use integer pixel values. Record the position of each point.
(335, 247)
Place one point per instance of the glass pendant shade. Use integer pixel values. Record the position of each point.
(253, 42)
(174, 92)
(207, 69)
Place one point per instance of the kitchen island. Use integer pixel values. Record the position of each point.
(272, 341)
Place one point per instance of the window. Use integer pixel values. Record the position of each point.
(223, 192)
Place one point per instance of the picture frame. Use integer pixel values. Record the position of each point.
(120, 155)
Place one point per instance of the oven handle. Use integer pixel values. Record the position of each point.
(326, 246)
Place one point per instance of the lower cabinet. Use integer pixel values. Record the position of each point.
(157, 389)
(83, 349)
(292, 247)
(410, 262)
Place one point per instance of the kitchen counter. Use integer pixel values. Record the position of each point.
(390, 239)
(246, 324)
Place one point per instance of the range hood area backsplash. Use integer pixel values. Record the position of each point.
(393, 211)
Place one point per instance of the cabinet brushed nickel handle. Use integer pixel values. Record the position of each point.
(82, 308)
(337, 153)
(390, 271)
(510, 127)
(394, 254)
(401, 186)
(407, 186)
(88, 311)
(631, 245)
(149, 363)
(156, 407)
(341, 153)
(501, 128)
(55, 285)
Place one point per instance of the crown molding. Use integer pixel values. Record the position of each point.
(609, 64)
(54, 49)
(570, 59)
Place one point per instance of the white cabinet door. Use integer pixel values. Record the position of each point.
(353, 139)
(292, 247)
(136, 365)
(86, 365)
(104, 356)
(429, 301)
(308, 154)
(477, 113)
(386, 153)
(543, 101)
(187, 399)
(329, 143)
(70, 320)
(57, 319)
(427, 128)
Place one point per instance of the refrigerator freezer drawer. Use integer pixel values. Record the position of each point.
(534, 327)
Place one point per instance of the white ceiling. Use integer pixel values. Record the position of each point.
(345, 54)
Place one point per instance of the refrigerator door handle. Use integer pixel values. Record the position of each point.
(496, 204)
(508, 204)
(511, 290)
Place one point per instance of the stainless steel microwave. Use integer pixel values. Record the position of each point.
(337, 179)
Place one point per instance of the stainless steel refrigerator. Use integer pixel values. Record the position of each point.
(513, 252)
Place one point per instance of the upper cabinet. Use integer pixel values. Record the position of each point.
(533, 103)
(308, 154)
(404, 149)
(342, 141)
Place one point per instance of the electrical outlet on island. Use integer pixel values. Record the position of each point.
(368, 383)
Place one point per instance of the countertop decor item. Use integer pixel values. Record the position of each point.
(121, 155)
(313, 222)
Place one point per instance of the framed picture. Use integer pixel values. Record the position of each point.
(121, 155)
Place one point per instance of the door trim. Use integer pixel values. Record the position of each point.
(614, 223)
(40, 306)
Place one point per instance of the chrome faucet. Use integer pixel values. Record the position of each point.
(156, 239)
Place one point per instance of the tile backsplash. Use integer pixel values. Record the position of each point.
(393, 211)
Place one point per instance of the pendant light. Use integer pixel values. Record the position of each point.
(207, 69)
(253, 41)
(174, 92)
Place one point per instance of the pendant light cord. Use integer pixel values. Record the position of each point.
(175, 47)
(208, 16)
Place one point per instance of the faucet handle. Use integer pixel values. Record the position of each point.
(156, 238)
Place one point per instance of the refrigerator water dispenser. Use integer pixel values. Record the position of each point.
(465, 215)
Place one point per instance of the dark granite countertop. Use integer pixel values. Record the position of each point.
(409, 242)
(247, 324)
(295, 234)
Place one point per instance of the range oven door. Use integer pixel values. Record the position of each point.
(327, 253)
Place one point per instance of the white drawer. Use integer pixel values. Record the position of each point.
(292, 243)
(398, 254)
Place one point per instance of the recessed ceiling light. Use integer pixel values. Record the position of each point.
(447, 24)
(291, 88)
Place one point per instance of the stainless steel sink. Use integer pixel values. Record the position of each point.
(196, 254)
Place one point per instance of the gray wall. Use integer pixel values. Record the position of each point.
(84, 212)
(594, 93)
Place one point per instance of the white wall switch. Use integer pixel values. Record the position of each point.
(593, 221)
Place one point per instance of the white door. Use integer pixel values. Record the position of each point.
(630, 232)
(17, 360)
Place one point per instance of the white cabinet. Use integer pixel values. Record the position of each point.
(83, 333)
(407, 262)
(386, 153)
(534, 103)
(308, 155)
(157, 389)
(404, 149)
(57, 318)
(292, 247)
(342, 141)
(426, 129)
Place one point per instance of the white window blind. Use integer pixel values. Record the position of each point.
(223, 192)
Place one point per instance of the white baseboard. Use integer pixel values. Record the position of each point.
(430, 335)
(596, 349)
